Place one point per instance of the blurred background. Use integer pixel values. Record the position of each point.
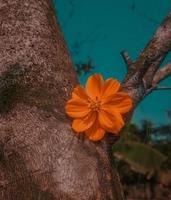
(96, 31)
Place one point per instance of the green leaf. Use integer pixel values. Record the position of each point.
(141, 157)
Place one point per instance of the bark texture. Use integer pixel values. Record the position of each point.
(40, 157)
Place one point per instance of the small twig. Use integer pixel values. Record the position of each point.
(163, 88)
(155, 87)
(126, 58)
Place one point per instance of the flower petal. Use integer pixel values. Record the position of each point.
(77, 108)
(111, 122)
(95, 132)
(94, 86)
(120, 101)
(111, 86)
(79, 92)
(82, 124)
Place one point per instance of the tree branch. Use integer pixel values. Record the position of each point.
(148, 62)
(159, 75)
(162, 74)
(148, 77)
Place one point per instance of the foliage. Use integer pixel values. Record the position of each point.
(141, 157)
(143, 152)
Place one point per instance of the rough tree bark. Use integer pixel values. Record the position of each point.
(40, 156)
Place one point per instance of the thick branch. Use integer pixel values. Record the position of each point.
(157, 48)
(148, 61)
(148, 77)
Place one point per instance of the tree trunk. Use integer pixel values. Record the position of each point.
(40, 156)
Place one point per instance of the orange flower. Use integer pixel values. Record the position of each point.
(98, 107)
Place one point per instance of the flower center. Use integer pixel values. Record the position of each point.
(94, 105)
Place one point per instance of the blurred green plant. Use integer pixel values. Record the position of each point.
(141, 157)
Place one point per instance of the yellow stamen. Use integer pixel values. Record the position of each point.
(94, 105)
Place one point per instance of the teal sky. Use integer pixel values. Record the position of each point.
(101, 29)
